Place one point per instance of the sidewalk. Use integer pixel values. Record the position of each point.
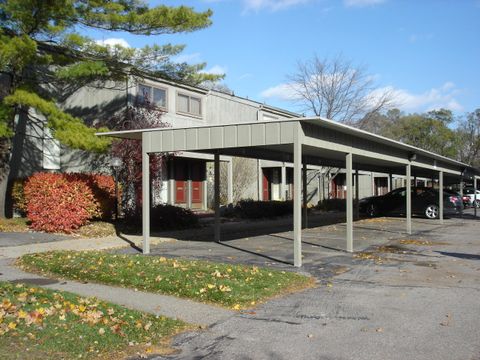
(79, 244)
(173, 307)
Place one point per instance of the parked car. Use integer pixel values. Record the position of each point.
(424, 202)
(469, 197)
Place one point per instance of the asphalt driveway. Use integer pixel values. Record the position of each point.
(397, 299)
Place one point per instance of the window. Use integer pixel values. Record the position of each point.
(149, 95)
(188, 104)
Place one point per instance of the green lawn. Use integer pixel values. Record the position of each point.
(37, 323)
(233, 286)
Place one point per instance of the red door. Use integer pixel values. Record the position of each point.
(180, 183)
(266, 185)
(198, 168)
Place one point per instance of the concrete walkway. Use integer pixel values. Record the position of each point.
(173, 307)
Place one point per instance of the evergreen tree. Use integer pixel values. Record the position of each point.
(41, 47)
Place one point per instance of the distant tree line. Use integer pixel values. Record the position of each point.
(439, 131)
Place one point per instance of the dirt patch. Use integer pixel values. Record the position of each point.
(421, 242)
(374, 221)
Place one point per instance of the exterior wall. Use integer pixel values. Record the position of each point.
(36, 150)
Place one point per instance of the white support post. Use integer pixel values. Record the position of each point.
(348, 161)
(283, 183)
(372, 178)
(171, 182)
(440, 196)
(409, 198)
(205, 194)
(461, 195)
(297, 198)
(146, 192)
(216, 195)
(230, 181)
(305, 194)
(475, 196)
(357, 192)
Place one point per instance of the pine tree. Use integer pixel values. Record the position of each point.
(40, 45)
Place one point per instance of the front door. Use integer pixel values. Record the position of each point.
(266, 184)
(198, 169)
(180, 183)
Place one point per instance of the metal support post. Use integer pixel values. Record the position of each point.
(230, 181)
(461, 195)
(357, 192)
(440, 196)
(390, 177)
(475, 196)
(305, 194)
(283, 183)
(146, 192)
(216, 195)
(409, 198)
(348, 161)
(297, 199)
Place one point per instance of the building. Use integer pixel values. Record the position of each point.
(184, 178)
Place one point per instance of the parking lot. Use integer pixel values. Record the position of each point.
(397, 297)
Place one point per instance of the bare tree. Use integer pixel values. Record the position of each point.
(333, 88)
(337, 90)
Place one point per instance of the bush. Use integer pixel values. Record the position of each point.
(58, 202)
(253, 209)
(165, 217)
(103, 188)
(18, 196)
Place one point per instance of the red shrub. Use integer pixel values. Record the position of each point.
(58, 202)
(103, 189)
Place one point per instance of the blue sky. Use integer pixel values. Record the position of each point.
(426, 51)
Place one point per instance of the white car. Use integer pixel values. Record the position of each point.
(471, 196)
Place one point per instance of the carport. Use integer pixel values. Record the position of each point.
(302, 141)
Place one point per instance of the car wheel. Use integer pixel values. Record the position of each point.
(371, 210)
(431, 211)
(477, 204)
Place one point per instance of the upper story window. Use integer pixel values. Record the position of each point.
(149, 95)
(188, 104)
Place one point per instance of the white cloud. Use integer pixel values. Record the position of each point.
(113, 41)
(217, 70)
(444, 96)
(362, 3)
(435, 98)
(284, 92)
(272, 5)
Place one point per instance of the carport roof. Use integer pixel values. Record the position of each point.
(324, 142)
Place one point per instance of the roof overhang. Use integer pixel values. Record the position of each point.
(324, 143)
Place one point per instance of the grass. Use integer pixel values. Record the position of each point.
(37, 323)
(14, 225)
(232, 286)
